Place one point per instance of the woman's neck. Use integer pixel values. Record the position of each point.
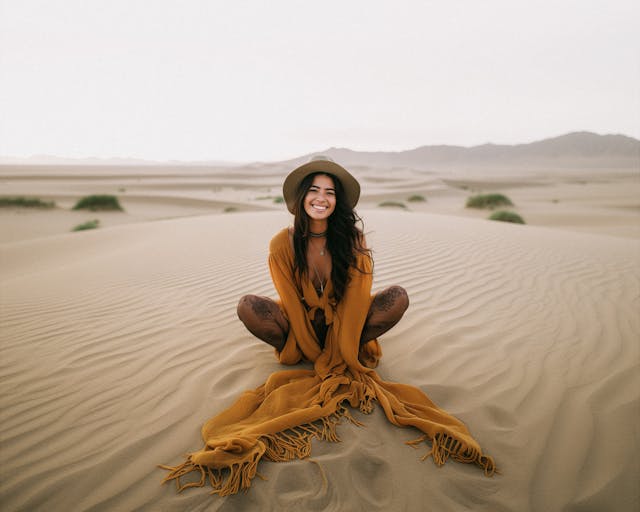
(317, 226)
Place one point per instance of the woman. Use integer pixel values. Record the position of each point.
(313, 265)
(322, 271)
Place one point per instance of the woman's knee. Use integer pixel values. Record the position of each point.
(245, 307)
(263, 318)
(256, 309)
(394, 301)
(387, 309)
(401, 298)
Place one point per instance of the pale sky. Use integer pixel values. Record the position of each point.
(248, 80)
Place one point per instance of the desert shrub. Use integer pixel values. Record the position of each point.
(278, 200)
(392, 204)
(26, 202)
(416, 198)
(98, 202)
(229, 209)
(506, 216)
(90, 224)
(488, 201)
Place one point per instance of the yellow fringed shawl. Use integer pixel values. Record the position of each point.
(278, 420)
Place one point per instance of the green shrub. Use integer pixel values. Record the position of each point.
(392, 204)
(90, 224)
(416, 198)
(506, 216)
(488, 201)
(98, 202)
(278, 200)
(229, 209)
(26, 202)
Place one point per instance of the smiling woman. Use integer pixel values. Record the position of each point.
(326, 243)
(322, 270)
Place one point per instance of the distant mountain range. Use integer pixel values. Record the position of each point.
(578, 149)
(573, 150)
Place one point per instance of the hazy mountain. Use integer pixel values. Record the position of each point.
(573, 150)
(577, 149)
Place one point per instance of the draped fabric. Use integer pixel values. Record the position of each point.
(278, 420)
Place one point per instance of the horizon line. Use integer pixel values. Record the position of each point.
(215, 161)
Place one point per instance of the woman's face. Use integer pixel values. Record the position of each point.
(320, 201)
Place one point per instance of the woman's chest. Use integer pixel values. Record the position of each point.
(319, 266)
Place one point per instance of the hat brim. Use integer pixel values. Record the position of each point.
(350, 185)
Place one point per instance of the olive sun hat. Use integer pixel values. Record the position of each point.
(325, 164)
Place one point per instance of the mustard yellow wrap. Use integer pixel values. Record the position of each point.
(278, 420)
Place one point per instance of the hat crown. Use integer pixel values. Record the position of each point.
(320, 158)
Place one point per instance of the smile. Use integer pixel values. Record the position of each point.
(319, 208)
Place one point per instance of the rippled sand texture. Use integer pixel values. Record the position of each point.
(118, 344)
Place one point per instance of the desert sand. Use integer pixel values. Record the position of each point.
(117, 344)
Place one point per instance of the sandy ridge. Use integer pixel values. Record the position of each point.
(117, 345)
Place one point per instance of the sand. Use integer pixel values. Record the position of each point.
(118, 343)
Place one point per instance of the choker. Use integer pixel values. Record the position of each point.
(318, 235)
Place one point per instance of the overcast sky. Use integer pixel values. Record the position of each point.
(253, 80)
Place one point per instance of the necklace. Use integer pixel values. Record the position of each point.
(317, 235)
(323, 251)
(318, 276)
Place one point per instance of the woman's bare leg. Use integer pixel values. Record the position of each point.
(264, 319)
(386, 310)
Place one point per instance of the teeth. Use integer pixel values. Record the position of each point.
(321, 208)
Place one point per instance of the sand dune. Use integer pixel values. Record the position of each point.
(576, 200)
(117, 345)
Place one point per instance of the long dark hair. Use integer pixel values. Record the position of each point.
(344, 238)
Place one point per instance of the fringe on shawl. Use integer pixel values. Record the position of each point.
(293, 443)
(444, 447)
(223, 481)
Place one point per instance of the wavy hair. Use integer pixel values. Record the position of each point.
(344, 238)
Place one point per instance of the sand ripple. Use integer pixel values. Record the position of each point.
(117, 346)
